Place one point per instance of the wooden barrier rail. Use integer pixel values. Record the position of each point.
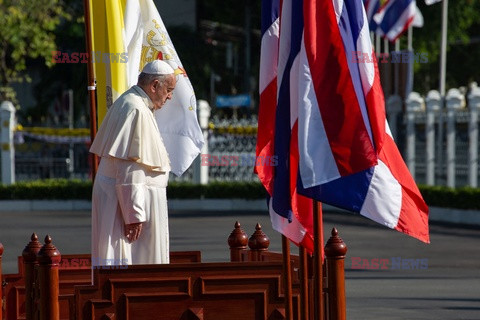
(248, 287)
(74, 269)
(333, 270)
(228, 290)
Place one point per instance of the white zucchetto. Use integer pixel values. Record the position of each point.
(158, 67)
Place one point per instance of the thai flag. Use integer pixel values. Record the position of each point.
(329, 122)
(290, 213)
(347, 155)
(394, 17)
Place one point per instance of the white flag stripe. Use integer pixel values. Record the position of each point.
(367, 69)
(269, 56)
(133, 35)
(292, 230)
(383, 202)
(317, 164)
(284, 41)
(350, 48)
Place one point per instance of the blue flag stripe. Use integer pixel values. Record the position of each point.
(281, 200)
(270, 12)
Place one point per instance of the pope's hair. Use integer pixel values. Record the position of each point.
(144, 79)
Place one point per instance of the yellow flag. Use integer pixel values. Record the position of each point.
(127, 34)
(109, 53)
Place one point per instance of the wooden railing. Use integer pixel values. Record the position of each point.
(74, 269)
(334, 270)
(250, 286)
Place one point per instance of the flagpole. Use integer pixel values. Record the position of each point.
(319, 309)
(304, 306)
(387, 88)
(396, 69)
(287, 278)
(410, 37)
(91, 87)
(443, 48)
(409, 85)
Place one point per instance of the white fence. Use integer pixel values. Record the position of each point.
(439, 135)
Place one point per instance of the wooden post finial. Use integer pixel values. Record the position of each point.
(258, 243)
(30, 252)
(259, 240)
(237, 241)
(238, 238)
(48, 253)
(335, 247)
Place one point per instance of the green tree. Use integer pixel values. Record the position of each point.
(463, 47)
(26, 32)
(56, 78)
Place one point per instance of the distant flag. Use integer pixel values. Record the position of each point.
(430, 2)
(134, 30)
(290, 213)
(371, 8)
(394, 18)
(347, 155)
(418, 18)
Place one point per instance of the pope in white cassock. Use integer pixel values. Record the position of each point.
(129, 203)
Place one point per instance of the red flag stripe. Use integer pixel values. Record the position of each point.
(340, 110)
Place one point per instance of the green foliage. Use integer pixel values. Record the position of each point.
(463, 45)
(49, 189)
(69, 37)
(460, 198)
(184, 191)
(226, 190)
(63, 189)
(27, 32)
(216, 190)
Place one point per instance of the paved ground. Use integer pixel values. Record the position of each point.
(445, 286)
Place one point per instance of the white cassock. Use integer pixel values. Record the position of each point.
(130, 185)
